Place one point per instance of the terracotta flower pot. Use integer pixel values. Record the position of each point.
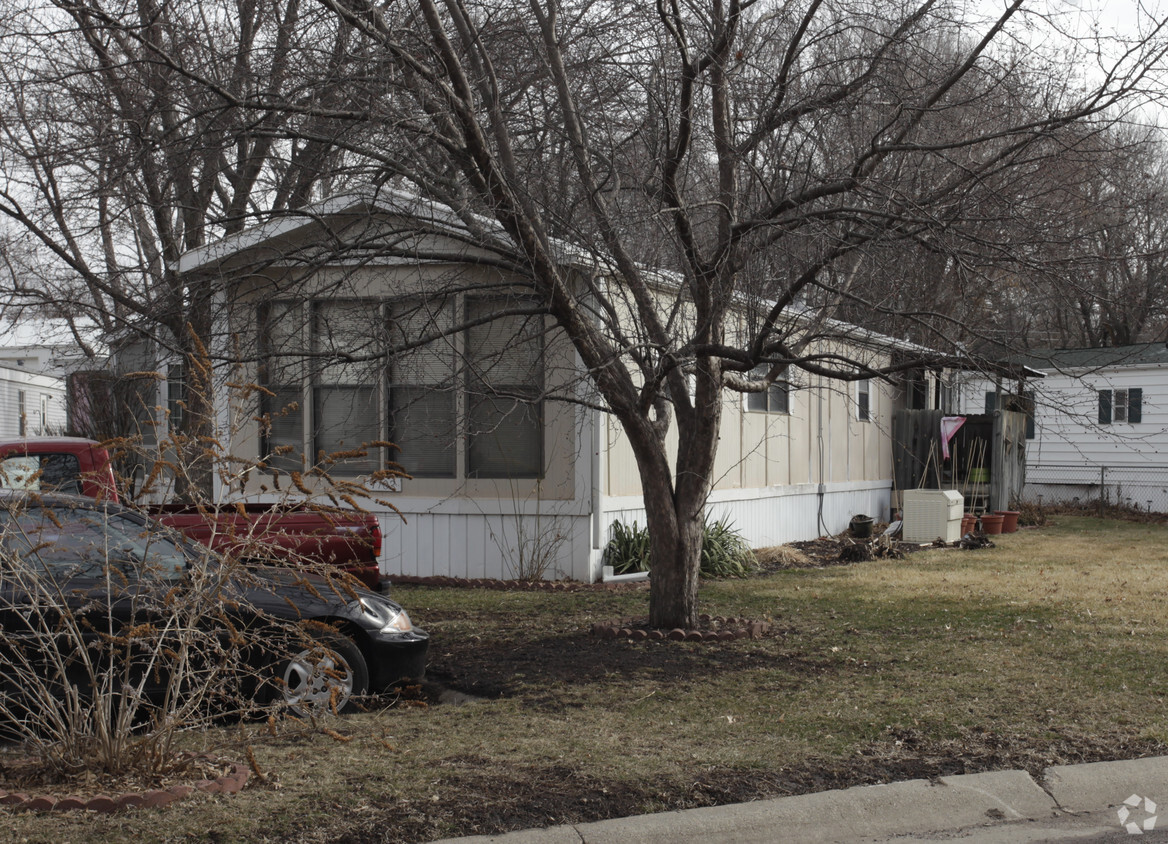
(1009, 520)
(991, 523)
(968, 523)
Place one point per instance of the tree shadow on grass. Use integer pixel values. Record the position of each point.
(501, 669)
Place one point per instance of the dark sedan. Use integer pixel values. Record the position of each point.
(118, 583)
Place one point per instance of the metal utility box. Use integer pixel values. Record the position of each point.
(930, 514)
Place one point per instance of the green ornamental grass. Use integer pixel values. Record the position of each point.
(724, 552)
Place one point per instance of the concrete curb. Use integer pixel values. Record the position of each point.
(967, 805)
(1080, 788)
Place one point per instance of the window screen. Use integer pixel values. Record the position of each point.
(346, 410)
(281, 340)
(504, 382)
(422, 407)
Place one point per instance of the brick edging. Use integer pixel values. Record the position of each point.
(153, 799)
(730, 629)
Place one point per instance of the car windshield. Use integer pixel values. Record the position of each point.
(41, 472)
(82, 542)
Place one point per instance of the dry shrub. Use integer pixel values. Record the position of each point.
(106, 655)
(118, 636)
(782, 557)
(1031, 514)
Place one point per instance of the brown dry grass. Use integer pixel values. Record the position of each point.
(781, 557)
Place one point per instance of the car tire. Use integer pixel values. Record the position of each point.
(324, 676)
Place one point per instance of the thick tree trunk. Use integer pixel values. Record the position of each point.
(675, 531)
(675, 502)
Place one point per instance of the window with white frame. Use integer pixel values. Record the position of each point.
(776, 398)
(864, 399)
(22, 413)
(281, 374)
(948, 397)
(176, 395)
(369, 378)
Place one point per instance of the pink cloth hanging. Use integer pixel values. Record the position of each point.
(949, 426)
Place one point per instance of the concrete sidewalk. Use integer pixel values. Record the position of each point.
(1072, 803)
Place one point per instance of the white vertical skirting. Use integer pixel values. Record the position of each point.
(781, 514)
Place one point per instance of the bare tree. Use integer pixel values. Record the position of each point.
(1110, 287)
(122, 145)
(709, 159)
(711, 156)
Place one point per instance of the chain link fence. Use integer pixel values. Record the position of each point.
(1143, 488)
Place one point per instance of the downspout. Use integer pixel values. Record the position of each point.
(598, 422)
(822, 488)
(221, 397)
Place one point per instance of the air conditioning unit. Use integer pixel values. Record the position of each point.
(931, 514)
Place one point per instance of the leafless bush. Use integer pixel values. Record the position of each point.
(118, 636)
(107, 650)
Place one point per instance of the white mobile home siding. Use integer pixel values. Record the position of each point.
(43, 404)
(1067, 429)
(782, 477)
(1072, 454)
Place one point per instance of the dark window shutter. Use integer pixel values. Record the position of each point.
(1105, 407)
(1031, 410)
(991, 402)
(1135, 399)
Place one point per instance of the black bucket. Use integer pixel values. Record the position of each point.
(861, 527)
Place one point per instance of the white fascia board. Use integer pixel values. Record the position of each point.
(1106, 369)
(40, 380)
(213, 253)
(437, 217)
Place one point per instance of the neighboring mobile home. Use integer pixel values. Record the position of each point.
(525, 476)
(31, 404)
(32, 391)
(1099, 424)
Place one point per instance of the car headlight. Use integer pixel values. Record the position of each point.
(386, 617)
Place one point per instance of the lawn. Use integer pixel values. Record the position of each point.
(1049, 648)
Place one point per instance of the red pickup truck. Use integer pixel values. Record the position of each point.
(345, 538)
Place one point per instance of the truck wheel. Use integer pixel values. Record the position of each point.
(324, 676)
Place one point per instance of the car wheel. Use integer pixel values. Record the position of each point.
(324, 676)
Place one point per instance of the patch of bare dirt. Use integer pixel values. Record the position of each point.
(494, 668)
